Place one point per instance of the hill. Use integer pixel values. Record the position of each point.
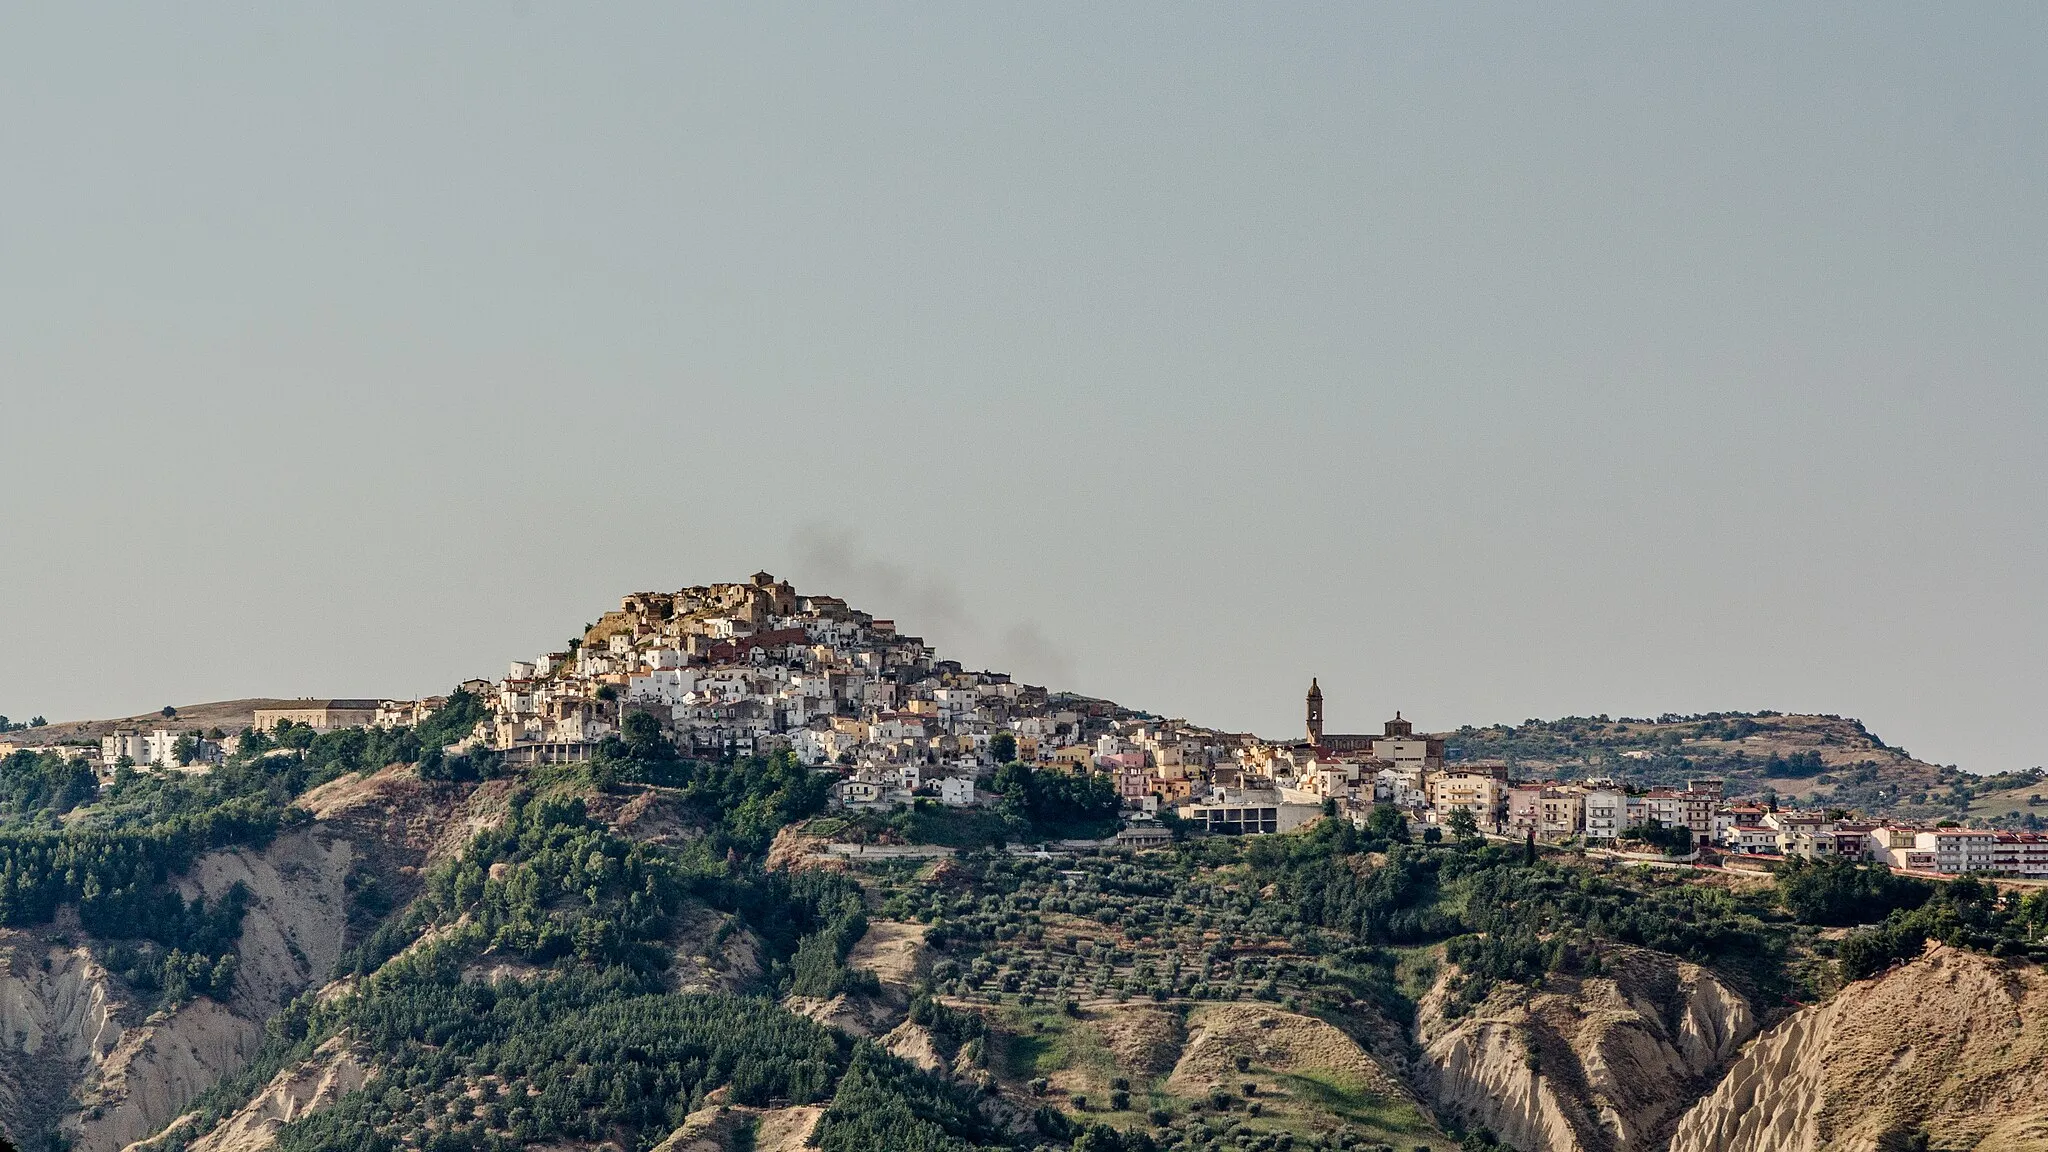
(226, 715)
(1819, 759)
(395, 941)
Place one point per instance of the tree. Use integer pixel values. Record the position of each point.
(1463, 824)
(1387, 823)
(1003, 747)
(186, 749)
(1839, 893)
(645, 740)
(1674, 840)
(169, 713)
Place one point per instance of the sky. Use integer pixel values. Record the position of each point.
(1483, 362)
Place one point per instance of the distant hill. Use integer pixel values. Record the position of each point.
(226, 715)
(1818, 758)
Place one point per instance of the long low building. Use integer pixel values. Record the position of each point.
(320, 715)
(1248, 812)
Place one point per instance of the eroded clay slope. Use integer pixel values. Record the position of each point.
(1594, 1064)
(291, 938)
(1952, 1047)
(294, 1093)
(59, 1015)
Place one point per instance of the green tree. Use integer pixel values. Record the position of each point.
(1387, 823)
(1839, 893)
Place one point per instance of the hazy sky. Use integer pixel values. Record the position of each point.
(1484, 363)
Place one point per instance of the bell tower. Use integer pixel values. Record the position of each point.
(1315, 712)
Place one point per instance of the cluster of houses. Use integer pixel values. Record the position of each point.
(1593, 812)
(193, 749)
(755, 667)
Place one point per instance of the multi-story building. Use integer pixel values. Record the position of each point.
(1525, 808)
(1756, 839)
(1688, 809)
(1563, 813)
(1483, 794)
(1959, 850)
(2020, 854)
(1606, 811)
(320, 715)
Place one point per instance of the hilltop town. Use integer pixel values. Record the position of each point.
(756, 668)
(741, 867)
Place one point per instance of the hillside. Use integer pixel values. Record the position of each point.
(389, 940)
(1950, 1051)
(1829, 760)
(226, 715)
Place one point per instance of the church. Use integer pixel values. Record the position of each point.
(1398, 743)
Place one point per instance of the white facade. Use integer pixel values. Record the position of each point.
(662, 685)
(1248, 812)
(1959, 850)
(1606, 813)
(2020, 854)
(124, 744)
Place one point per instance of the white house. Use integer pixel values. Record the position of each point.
(1248, 812)
(726, 627)
(662, 685)
(123, 744)
(1606, 810)
(853, 792)
(1959, 850)
(890, 729)
(956, 791)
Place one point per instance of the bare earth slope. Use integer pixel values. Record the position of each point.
(1953, 1046)
(72, 1035)
(71, 1030)
(290, 940)
(1594, 1064)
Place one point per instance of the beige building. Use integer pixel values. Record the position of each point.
(1480, 793)
(320, 715)
(1563, 813)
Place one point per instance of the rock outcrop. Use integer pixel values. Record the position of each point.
(1952, 1047)
(891, 950)
(1594, 1064)
(80, 1054)
(71, 1033)
(290, 940)
(723, 1128)
(293, 1094)
(914, 1043)
(60, 1015)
